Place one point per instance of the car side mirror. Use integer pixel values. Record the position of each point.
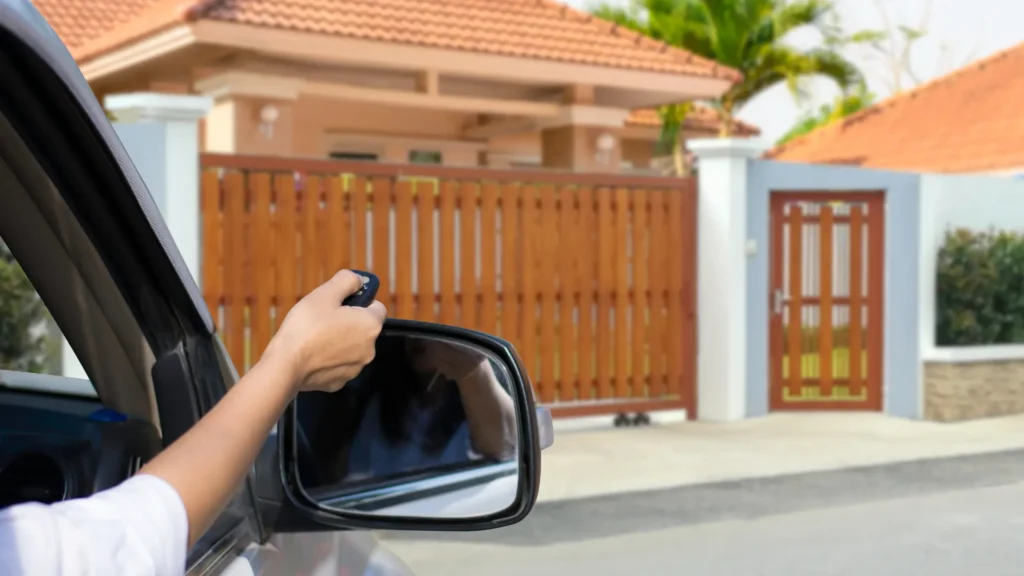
(439, 432)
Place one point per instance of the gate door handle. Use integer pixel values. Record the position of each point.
(777, 300)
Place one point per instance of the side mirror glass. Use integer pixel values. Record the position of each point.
(439, 429)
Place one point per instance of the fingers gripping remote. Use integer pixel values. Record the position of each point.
(364, 296)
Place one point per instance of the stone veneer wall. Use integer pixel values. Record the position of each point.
(955, 391)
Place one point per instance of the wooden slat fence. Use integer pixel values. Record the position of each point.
(590, 276)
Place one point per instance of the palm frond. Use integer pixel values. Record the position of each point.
(625, 16)
(747, 35)
(834, 66)
(799, 14)
(841, 107)
(779, 63)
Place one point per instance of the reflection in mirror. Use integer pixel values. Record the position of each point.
(428, 429)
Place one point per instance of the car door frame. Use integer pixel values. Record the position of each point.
(57, 115)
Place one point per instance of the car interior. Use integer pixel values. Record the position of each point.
(57, 442)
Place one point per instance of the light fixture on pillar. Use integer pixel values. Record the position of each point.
(605, 144)
(268, 116)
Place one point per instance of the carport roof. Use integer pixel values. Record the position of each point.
(699, 118)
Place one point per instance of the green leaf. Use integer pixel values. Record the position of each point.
(750, 36)
(980, 288)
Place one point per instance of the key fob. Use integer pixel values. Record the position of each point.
(365, 295)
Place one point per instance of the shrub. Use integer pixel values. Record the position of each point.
(24, 339)
(980, 288)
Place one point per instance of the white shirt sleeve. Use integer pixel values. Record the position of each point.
(138, 528)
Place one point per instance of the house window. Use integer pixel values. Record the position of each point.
(360, 156)
(425, 157)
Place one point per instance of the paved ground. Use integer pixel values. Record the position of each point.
(610, 461)
(950, 516)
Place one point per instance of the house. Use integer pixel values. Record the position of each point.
(969, 121)
(498, 83)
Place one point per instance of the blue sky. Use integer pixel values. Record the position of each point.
(959, 31)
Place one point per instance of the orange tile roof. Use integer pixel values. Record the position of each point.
(699, 118)
(77, 21)
(541, 29)
(967, 121)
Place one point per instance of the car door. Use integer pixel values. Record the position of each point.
(90, 241)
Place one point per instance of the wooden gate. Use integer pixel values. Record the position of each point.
(826, 300)
(590, 276)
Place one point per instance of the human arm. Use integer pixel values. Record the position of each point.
(207, 464)
(138, 527)
(145, 525)
(490, 413)
(319, 346)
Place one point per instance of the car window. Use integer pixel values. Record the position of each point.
(31, 344)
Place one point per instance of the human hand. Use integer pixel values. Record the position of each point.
(323, 343)
(453, 360)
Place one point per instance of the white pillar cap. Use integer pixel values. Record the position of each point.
(727, 147)
(156, 107)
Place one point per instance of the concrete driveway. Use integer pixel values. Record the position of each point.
(617, 460)
(944, 517)
(788, 494)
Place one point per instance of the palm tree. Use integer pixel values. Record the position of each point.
(672, 119)
(746, 35)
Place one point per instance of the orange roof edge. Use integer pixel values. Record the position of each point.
(885, 105)
(684, 55)
(164, 14)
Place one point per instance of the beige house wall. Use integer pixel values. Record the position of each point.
(524, 149)
(316, 127)
(638, 153)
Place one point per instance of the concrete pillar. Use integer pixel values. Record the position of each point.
(160, 133)
(576, 148)
(250, 125)
(583, 138)
(721, 275)
(251, 114)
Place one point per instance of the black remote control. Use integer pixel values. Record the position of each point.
(364, 296)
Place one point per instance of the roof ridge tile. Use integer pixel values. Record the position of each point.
(193, 10)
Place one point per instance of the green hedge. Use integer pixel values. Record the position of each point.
(980, 288)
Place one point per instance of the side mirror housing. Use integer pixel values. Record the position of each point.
(439, 432)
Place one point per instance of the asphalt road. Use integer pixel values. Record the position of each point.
(955, 516)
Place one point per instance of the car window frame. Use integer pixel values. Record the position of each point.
(54, 94)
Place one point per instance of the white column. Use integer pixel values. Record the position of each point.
(721, 275)
(161, 135)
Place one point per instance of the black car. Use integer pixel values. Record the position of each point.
(78, 220)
